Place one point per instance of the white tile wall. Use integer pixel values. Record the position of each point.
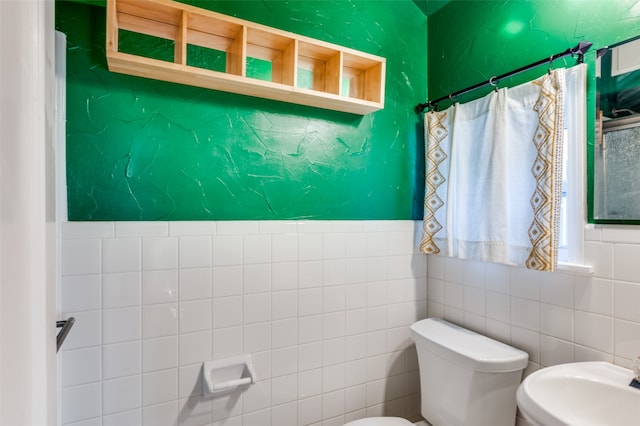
(556, 317)
(323, 307)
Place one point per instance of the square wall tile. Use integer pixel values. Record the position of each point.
(121, 394)
(121, 255)
(81, 257)
(81, 366)
(160, 253)
(159, 286)
(594, 331)
(194, 252)
(159, 353)
(120, 325)
(121, 289)
(81, 293)
(121, 359)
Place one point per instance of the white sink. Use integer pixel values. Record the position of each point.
(580, 394)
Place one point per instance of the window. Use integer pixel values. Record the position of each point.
(572, 220)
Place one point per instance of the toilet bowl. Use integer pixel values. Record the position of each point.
(465, 378)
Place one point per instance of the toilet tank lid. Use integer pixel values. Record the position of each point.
(479, 352)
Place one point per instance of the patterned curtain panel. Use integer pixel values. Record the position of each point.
(493, 182)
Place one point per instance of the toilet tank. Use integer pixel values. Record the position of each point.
(466, 378)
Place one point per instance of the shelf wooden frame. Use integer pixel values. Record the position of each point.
(341, 79)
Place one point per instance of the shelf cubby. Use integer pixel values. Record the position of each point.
(243, 57)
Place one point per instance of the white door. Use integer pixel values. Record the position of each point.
(27, 225)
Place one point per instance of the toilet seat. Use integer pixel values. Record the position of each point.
(380, 421)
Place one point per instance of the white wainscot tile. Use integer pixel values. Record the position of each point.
(600, 257)
(309, 356)
(284, 304)
(309, 383)
(121, 394)
(121, 255)
(229, 341)
(81, 257)
(284, 333)
(159, 387)
(195, 348)
(227, 250)
(558, 289)
(310, 247)
(73, 230)
(284, 248)
(194, 283)
(121, 289)
(556, 321)
(194, 252)
(256, 278)
(81, 402)
(160, 253)
(81, 293)
(159, 286)
(310, 301)
(555, 351)
(594, 295)
(284, 361)
(310, 329)
(257, 337)
(256, 249)
(154, 415)
(87, 330)
(159, 320)
(81, 366)
(333, 351)
(284, 276)
(525, 313)
(120, 325)
(130, 417)
(594, 331)
(334, 272)
(286, 414)
(257, 397)
(309, 410)
(497, 277)
(195, 228)
(310, 274)
(160, 353)
(334, 298)
(256, 308)
(227, 281)
(226, 311)
(195, 316)
(626, 262)
(627, 339)
(334, 246)
(121, 359)
(284, 389)
(141, 229)
(627, 301)
(333, 405)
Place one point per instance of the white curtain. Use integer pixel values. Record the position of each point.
(494, 176)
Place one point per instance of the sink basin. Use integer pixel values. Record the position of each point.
(580, 394)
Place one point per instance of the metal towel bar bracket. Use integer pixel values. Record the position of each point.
(62, 334)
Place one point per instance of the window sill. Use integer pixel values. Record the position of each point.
(575, 268)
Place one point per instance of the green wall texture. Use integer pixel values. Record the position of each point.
(471, 41)
(139, 149)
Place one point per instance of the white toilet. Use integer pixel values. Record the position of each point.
(465, 378)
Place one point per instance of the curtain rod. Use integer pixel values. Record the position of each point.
(580, 49)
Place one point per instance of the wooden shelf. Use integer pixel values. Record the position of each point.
(302, 70)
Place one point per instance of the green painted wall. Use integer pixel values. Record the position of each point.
(140, 149)
(471, 41)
